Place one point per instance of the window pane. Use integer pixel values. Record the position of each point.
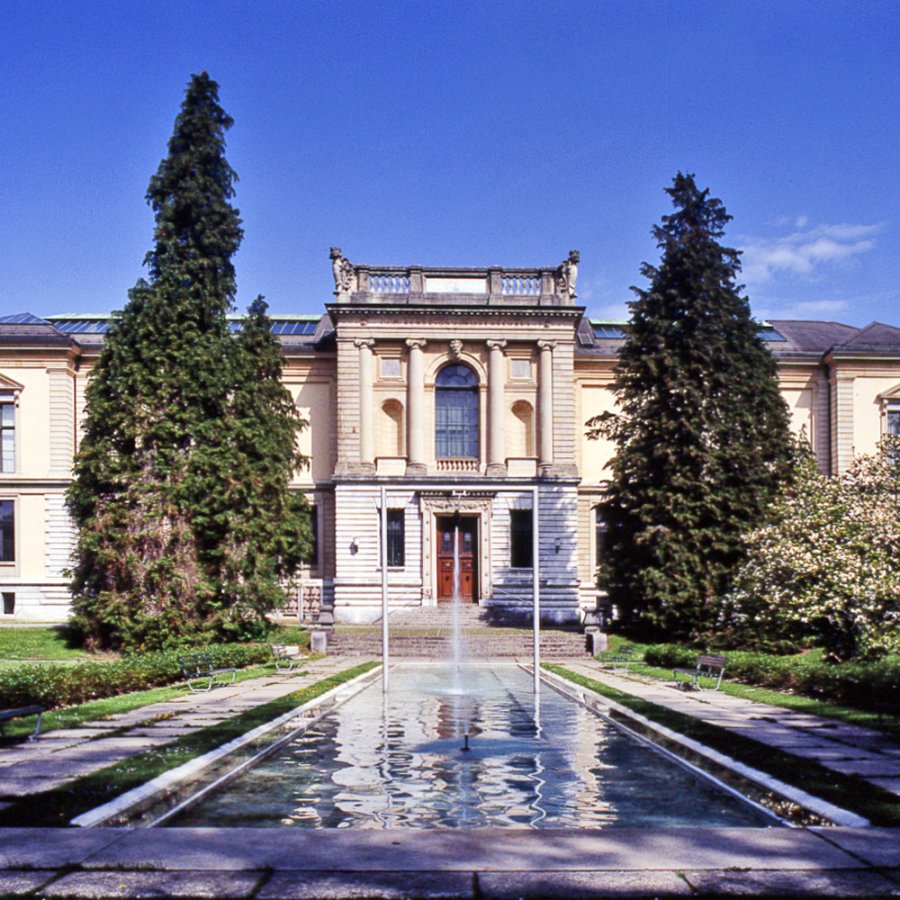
(7, 437)
(520, 538)
(893, 422)
(396, 543)
(7, 531)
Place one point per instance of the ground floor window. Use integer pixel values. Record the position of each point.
(9, 604)
(521, 538)
(7, 531)
(893, 420)
(396, 537)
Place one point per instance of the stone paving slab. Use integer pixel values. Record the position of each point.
(875, 846)
(377, 885)
(863, 884)
(234, 885)
(541, 885)
(16, 884)
(241, 849)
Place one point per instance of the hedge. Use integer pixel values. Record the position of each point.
(868, 685)
(54, 685)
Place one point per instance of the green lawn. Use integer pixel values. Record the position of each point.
(40, 642)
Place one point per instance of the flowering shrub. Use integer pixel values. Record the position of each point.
(826, 568)
(52, 686)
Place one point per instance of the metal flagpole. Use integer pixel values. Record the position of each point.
(384, 593)
(536, 587)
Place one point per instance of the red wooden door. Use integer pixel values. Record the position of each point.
(464, 530)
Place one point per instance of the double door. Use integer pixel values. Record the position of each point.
(457, 538)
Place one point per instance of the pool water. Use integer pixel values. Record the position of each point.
(397, 761)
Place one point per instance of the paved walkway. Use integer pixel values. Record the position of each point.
(848, 749)
(61, 756)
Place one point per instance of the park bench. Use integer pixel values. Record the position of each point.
(197, 668)
(7, 715)
(286, 656)
(625, 656)
(709, 666)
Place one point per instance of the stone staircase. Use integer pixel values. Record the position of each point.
(427, 633)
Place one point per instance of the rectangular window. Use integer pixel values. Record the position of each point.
(396, 537)
(7, 531)
(312, 558)
(599, 537)
(9, 604)
(7, 433)
(521, 536)
(893, 420)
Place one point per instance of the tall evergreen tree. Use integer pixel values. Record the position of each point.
(255, 528)
(701, 430)
(148, 562)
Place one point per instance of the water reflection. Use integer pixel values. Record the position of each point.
(534, 761)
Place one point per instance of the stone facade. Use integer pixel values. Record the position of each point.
(461, 395)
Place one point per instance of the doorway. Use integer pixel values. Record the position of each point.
(464, 531)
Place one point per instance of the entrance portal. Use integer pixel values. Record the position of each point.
(465, 530)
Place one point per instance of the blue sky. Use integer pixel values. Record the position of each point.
(460, 133)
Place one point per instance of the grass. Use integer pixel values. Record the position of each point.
(60, 805)
(73, 716)
(846, 791)
(50, 642)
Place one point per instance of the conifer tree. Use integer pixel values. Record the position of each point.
(148, 568)
(701, 430)
(255, 528)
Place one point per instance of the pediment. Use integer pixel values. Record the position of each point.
(8, 384)
(891, 395)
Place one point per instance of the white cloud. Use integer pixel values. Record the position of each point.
(804, 251)
(801, 309)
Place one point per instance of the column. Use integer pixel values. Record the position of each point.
(545, 407)
(366, 400)
(415, 408)
(496, 410)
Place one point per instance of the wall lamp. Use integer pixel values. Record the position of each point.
(354, 546)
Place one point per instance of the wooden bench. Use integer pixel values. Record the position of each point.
(7, 715)
(709, 665)
(197, 668)
(286, 656)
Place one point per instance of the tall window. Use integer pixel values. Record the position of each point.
(7, 432)
(456, 413)
(7, 531)
(521, 537)
(599, 537)
(312, 557)
(396, 537)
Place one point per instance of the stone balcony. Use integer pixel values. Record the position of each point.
(492, 285)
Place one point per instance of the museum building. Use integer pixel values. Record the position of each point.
(455, 397)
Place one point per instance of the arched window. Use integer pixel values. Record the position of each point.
(456, 413)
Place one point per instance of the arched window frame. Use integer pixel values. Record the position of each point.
(457, 412)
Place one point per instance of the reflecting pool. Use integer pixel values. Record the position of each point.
(400, 761)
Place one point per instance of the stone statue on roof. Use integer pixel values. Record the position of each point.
(343, 271)
(568, 274)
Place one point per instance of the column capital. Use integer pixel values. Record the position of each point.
(546, 345)
(495, 345)
(416, 343)
(364, 342)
